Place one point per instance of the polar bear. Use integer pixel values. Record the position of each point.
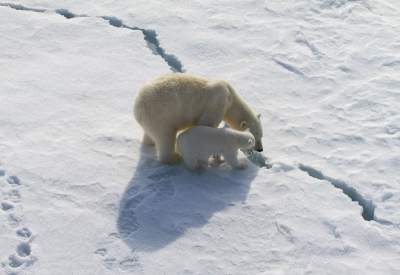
(174, 102)
(198, 143)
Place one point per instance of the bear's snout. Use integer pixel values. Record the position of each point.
(258, 147)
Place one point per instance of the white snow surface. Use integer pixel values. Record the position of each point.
(81, 195)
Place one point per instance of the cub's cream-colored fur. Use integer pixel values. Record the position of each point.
(197, 144)
(174, 102)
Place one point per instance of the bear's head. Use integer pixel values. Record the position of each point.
(254, 126)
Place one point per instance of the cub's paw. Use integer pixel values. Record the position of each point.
(216, 159)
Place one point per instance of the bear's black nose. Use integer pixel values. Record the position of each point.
(259, 150)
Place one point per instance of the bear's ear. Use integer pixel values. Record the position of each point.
(243, 125)
(259, 116)
(250, 141)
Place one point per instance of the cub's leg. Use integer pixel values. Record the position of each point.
(232, 160)
(216, 159)
(165, 144)
(203, 161)
(191, 163)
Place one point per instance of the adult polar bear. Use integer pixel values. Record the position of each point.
(174, 102)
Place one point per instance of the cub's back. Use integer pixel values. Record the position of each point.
(208, 139)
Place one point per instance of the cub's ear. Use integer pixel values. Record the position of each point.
(243, 125)
(250, 141)
(259, 116)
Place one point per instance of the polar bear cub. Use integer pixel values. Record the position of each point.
(198, 143)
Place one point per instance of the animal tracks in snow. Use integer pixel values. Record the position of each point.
(11, 198)
(113, 258)
(24, 249)
(158, 187)
(13, 180)
(155, 189)
(11, 206)
(24, 233)
(5, 206)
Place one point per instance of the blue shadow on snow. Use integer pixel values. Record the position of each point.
(162, 202)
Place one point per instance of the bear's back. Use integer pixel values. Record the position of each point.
(173, 97)
(174, 84)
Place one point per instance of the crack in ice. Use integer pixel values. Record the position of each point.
(67, 14)
(149, 35)
(21, 7)
(368, 207)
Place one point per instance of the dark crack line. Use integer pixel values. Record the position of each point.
(67, 14)
(149, 35)
(368, 207)
(20, 7)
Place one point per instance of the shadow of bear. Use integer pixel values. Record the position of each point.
(162, 202)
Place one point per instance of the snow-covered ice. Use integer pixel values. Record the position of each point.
(80, 195)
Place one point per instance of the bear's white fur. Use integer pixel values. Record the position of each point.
(174, 102)
(197, 144)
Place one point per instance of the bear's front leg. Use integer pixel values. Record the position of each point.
(211, 120)
(215, 111)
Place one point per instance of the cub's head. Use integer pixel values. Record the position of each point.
(250, 142)
(255, 128)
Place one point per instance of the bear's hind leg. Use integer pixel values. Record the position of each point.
(165, 143)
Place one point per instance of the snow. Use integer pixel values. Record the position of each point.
(80, 195)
